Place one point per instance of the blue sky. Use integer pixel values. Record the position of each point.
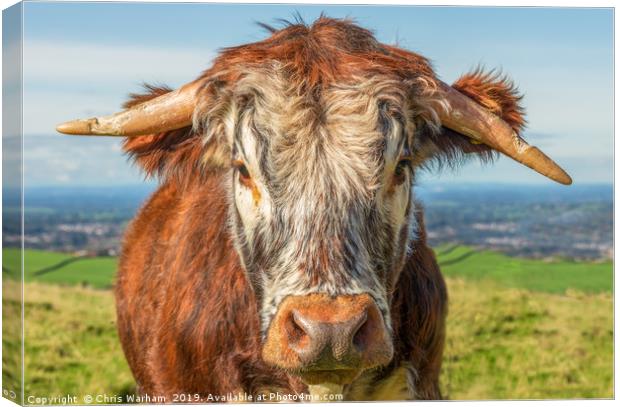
(83, 59)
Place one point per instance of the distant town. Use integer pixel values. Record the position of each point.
(536, 222)
(543, 222)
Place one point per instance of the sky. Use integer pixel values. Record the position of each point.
(82, 59)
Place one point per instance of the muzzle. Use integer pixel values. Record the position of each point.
(327, 339)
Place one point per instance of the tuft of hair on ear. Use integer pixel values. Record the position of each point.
(498, 94)
(176, 154)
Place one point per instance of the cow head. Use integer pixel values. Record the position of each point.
(321, 131)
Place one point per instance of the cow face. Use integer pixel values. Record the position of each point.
(322, 212)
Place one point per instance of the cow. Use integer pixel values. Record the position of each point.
(284, 251)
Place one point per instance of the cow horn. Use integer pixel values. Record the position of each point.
(467, 117)
(170, 111)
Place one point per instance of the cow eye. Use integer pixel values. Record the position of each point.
(400, 173)
(244, 174)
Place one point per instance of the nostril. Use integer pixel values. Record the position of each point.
(361, 333)
(296, 334)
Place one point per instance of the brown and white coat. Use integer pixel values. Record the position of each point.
(287, 196)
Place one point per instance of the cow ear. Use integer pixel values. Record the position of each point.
(496, 93)
(176, 153)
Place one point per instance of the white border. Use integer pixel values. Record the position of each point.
(485, 3)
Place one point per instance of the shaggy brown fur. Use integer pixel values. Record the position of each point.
(328, 51)
(187, 317)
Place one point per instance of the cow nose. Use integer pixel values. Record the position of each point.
(314, 340)
(317, 332)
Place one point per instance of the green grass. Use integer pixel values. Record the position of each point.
(507, 343)
(556, 276)
(96, 272)
(501, 343)
(71, 343)
(517, 328)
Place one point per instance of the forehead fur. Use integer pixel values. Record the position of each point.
(339, 139)
(326, 52)
(331, 81)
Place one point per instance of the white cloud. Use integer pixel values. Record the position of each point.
(64, 81)
(44, 109)
(96, 66)
(76, 160)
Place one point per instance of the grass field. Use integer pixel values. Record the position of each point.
(71, 342)
(556, 276)
(506, 343)
(517, 328)
(40, 266)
